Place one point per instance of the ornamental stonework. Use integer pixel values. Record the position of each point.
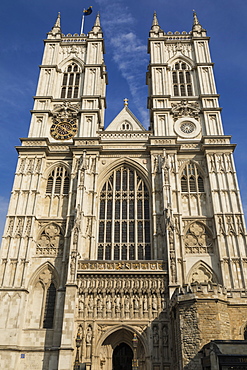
(50, 241)
(121, 296)
(197, 239)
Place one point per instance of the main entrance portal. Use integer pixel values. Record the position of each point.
(122, 357)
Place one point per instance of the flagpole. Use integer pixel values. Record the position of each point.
(82, 23)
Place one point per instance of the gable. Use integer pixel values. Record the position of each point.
(125, 121)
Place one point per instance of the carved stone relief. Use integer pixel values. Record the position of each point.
(197, 239)
(185, 109)
(120, 298)
(50, 241)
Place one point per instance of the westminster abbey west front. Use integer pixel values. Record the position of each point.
(124, 248)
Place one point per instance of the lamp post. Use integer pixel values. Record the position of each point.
(135, 361)
(78, 344)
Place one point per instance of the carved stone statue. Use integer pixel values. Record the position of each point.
(155, 342)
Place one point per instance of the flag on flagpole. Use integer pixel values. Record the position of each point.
(88, 11)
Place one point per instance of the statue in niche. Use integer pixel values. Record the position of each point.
(154, 303)
(90, 304)
(145, 303)
(73, 264)
(165, 336)
(165, 342)
(89, 335)
(155, 343)
(108, 304)
(165, 166)
(81, 304)
(117, 303)
(75, 238)
(127, 304)
(99, 304)
(136, 303)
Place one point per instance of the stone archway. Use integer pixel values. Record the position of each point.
(118, 345)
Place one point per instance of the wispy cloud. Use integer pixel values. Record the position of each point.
(128, 50)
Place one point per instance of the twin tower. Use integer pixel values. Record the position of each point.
(124, 248)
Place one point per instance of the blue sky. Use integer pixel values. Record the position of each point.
(125, 24)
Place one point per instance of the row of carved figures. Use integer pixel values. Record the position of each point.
(128, 305)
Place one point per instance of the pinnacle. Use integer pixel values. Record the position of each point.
(57, 26)
(97, 27)
(97, 20)
(197, 27)
(155, 20)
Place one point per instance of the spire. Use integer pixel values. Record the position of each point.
(155, 20)
(155, 25)
(196, 22)
(197, 27)
(57, 26)
(96, 27)
(97, 21)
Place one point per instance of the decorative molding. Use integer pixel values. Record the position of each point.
(119, 265)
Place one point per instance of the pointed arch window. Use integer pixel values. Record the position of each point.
(192, 180)
(182, 79)
(58, 182)
(49, 307)
(71, 81)
(124, 219)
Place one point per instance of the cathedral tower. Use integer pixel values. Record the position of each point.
(121, 245)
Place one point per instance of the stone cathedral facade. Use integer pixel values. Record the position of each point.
(124, 248)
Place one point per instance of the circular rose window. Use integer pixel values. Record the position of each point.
(187, 127)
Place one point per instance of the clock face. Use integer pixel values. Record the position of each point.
(64, 130)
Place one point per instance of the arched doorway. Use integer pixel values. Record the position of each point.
(122, 357)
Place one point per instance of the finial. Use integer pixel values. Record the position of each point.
(197, 27)
(97, 20)
(57, 26)
(155, 25)
(195, 18)
(126, 102)
(96, 27)
(155, 20)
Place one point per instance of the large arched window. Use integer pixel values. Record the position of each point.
(58, 181)
(71, 81)
(124, 220)
(182, 79)
(191, 180)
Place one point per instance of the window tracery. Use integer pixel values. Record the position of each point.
(197, 239)
(182, 79)
(71, 81)
(191, 180)
(50, 241)
(42, 300)
(124, 220)
(58, 182)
